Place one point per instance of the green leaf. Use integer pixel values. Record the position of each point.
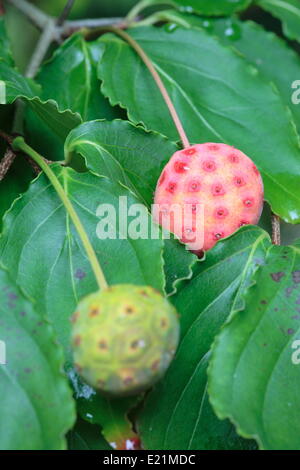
(180, 401)
(122, 152)
(43, 252)
(108, 413)
(16, 181)
(208, 7)
(253, 379)
(219, 97)
(69, 78)
(33, 389)
(86, 436)
(60, 122)
(5, 51)
(265, 50)
(288, 11)
(179, 263)
(215, 8)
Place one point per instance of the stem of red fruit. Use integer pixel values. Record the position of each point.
(147, 61)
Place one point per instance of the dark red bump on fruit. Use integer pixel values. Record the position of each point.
(255, 169)
(154, 365)
(78, 367)
(217, 190)
(180, 167)
(218, 235)
(103, 344)
(239, 181)
(213, 147)
(248, 202)
(194, 186)
(129, 310)
(94, 312)
(233, 158)
(162, 178)
(144, 293)
(128, 380)
(209, 165)
(190, 151)
(243, 222)
(77, 340)
(221, 212)
(171, 187)
(74, 317)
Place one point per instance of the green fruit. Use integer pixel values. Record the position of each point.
(124, 338)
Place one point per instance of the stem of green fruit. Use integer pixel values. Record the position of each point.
(158, 81)
(19, 144)
(140, 6)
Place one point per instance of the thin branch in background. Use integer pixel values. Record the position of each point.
(2, 10)
(70, 27)
(6, 137)
(49, 33)
(41, 49)
(276, 238)
(65, 13)
(36, 16)
(6, 162)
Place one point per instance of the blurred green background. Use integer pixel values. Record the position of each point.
(88, 7)
(81, 9)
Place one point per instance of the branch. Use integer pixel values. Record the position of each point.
(93, 23)
(143, 4)
(47, 36)
(6, 162)
(36, 16)
(276, 237)
(63, 28)
(65, 13)
(2, 11)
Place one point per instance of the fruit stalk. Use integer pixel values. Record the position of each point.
(158, 81)
(276, 238)
(19, 144)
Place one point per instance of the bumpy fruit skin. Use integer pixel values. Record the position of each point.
(220, 178)
(124, 338)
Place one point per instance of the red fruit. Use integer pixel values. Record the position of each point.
(222, 180)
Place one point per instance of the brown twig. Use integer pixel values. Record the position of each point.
(2, 10)
(65, 13)
(6, 137)
(6, 162)
(10, 156)
(276, 238)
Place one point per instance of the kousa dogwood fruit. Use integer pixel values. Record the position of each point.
(217, 188)
(124, 338)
